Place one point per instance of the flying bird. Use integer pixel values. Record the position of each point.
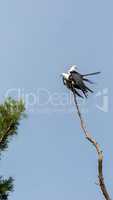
(76, 81)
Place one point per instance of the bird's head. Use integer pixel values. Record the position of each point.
(65, 76)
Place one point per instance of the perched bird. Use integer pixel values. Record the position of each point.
(70, 84)
(75, 81)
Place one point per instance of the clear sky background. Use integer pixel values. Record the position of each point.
(50, 159)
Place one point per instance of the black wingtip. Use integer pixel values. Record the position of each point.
(94, 73)
(87, 80)
(77, 93)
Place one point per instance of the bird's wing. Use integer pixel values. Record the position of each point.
(87, 80)
(77, 78)
(95, 73)
(77, 93)
(64, 80)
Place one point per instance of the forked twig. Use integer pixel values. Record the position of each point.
(89, 137)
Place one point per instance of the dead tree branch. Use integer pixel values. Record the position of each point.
(89, 137)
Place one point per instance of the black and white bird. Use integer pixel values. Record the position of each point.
(76, 81)
(70, 84)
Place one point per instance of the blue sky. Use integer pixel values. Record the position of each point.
(50, 158)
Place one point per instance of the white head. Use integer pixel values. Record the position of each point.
(72, 68)
(66, 76)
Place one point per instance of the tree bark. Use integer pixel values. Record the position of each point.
(89, 137)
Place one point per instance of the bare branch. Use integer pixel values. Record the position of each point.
(89, 137)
